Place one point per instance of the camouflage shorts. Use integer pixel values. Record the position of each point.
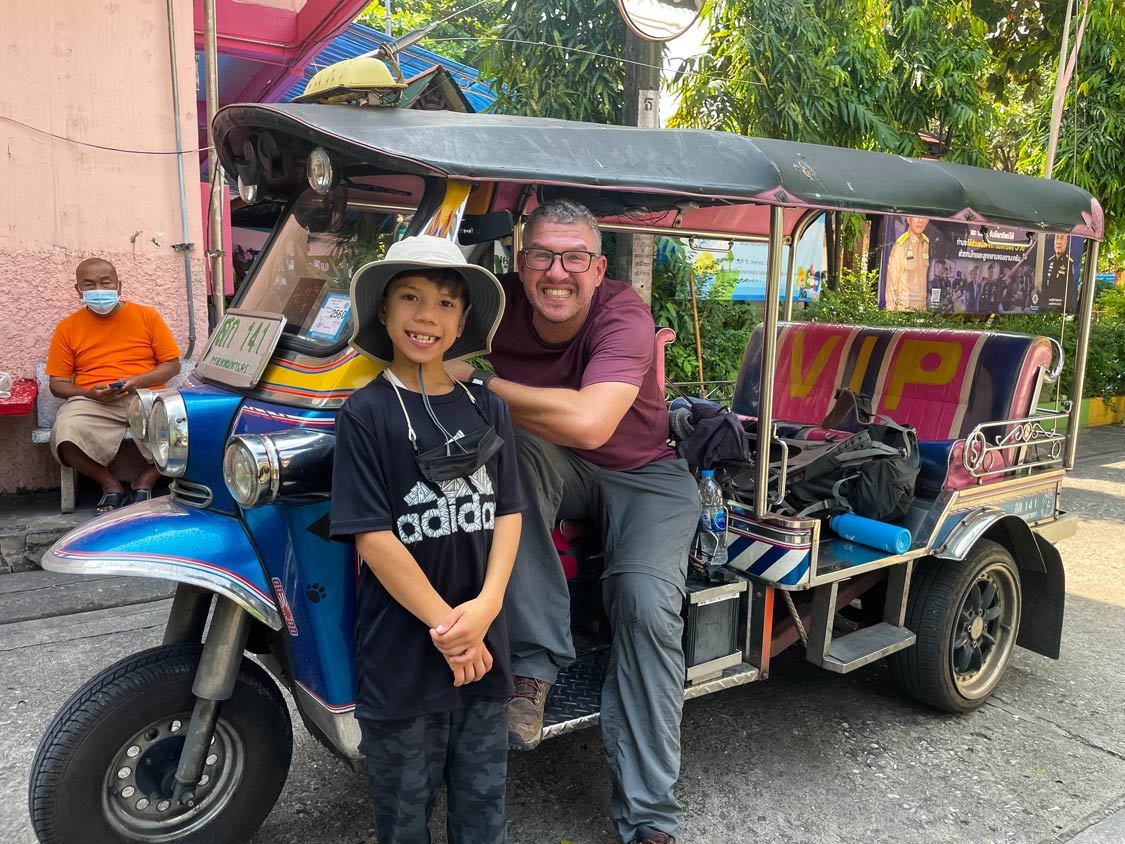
(407, 760)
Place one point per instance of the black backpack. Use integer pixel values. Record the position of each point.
(870, 472)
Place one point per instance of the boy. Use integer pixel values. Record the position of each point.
(425, 482)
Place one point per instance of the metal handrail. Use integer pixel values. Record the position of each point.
(979, 454)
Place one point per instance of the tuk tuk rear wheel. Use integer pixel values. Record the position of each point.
(105, 768)
(966, 615)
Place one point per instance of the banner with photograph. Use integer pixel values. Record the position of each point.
(737, 271)
(959, 268)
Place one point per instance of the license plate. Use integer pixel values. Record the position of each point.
(240, 348)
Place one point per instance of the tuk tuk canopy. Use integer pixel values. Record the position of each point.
(653, 170)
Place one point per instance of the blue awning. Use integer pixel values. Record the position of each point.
(358, 39)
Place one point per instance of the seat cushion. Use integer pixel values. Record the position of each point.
(942, 382)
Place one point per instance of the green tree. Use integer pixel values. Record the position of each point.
(868, 74)
(1091, 150)
(456, 38)
(556, 58)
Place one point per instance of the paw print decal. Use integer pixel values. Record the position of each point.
(316, 593)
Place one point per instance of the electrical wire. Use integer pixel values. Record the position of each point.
(665, 66)
(102, 146)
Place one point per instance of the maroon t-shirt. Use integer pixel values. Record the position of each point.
(616, 343)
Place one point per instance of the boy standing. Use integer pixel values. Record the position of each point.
(425, 480)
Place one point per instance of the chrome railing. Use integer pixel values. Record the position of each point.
(1008, 446)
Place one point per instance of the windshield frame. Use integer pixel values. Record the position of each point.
(291, 342)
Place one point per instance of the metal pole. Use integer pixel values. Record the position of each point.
(1082, 347)
(769, 361)
(387, 18)
(789, 279)
(183, 247)
(215, 214)
(641, 108)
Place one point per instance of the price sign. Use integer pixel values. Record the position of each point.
(240, 348)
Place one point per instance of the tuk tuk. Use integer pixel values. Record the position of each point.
(191, 741)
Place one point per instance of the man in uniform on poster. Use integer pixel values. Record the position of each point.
(1058, 276)
(908, 268)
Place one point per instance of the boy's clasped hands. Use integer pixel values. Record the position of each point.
(460, 638)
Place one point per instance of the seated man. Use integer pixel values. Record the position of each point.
(575, 360)
(100, 355)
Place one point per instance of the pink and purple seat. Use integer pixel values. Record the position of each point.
(942, 382)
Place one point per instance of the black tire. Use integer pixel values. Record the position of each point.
(965, 634)
(76, 797)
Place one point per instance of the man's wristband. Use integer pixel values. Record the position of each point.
(481, 376)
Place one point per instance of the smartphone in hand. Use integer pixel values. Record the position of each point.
(116, 385)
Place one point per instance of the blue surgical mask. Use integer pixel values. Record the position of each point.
(100, 301)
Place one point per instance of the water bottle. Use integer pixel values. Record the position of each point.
(712, 534)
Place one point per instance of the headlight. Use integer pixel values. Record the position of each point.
(289, 464)
(318, 167)
(250, 470)
(138, 410)
(167, 434)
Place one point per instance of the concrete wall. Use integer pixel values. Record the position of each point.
(99, 73)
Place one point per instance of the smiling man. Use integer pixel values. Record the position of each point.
(575, 360)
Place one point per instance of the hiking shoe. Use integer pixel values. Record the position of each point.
(525, 712)
(648, 835)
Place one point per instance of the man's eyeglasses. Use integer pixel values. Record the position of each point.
(573, 260)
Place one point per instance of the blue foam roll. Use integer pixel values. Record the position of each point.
(885, 537)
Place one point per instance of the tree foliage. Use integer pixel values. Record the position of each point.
(557, 58)
(868, 74)
(456, 38)
(1091, 150)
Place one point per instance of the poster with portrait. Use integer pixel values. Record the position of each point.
(947, 267)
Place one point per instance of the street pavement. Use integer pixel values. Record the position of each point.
(807, 756)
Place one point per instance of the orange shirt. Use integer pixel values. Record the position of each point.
(101, 350)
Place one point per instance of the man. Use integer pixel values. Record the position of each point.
(1058, 276)
(991, 290)
(98, 357)
(908, 267)
(941, 288)
(575, 360)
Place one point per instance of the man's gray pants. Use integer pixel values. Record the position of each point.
(647, 517)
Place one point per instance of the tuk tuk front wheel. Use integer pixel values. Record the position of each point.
(105, 769)
(966, 615)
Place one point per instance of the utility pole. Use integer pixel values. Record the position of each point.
(642, 108)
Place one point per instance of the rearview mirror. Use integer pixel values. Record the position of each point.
(482, 228)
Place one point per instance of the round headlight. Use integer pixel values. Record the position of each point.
(320, 171)
(250, 470)
(137, 412)
(167, 434)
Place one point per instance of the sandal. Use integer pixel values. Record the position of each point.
(142, 494)
(110, 501)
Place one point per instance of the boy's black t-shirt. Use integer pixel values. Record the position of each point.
(447, 527)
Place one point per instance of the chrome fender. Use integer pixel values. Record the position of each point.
(163, 539)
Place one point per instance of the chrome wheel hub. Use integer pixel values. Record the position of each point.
(138, 795)
(984, 631)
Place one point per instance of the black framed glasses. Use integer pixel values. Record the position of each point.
(573, 260)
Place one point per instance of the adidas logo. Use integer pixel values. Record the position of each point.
(466, 504)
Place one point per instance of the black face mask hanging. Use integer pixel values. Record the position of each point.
(461, 456)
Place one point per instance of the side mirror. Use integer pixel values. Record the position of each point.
(482, 228)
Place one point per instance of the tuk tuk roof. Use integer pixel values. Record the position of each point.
(673, 162)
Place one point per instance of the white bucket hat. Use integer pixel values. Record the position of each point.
(369, 283)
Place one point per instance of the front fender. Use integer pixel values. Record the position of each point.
(163, 539)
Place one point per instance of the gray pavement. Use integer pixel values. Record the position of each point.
(806, 756)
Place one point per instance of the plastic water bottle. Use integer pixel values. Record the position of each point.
(712, 536)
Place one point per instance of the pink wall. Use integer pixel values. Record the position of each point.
(97, 73)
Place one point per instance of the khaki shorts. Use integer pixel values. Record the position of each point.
(95, 427)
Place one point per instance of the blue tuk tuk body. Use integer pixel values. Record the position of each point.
(248, 544)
